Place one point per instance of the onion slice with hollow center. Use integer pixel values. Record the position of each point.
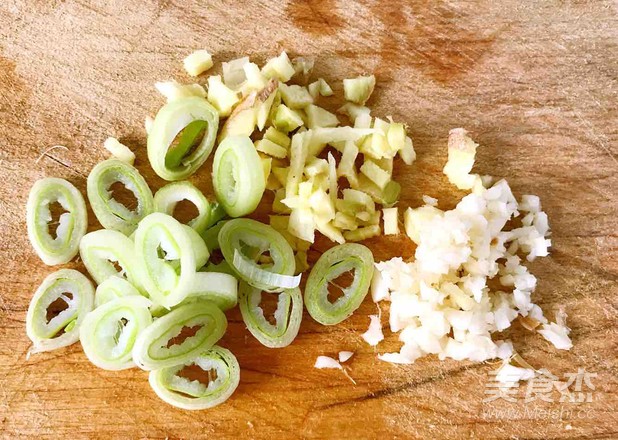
(192, 116)
(71, 226)
(166, 199)
(288, 316)
(108, 333)
(243, 241)
(111, 213)
(99, 251)
(154, 348)
(188, 394)
(63, 329)
(165, 251)
(237, 176)
(333, 263)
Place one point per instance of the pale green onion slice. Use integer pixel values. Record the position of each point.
(155, 347)
(199, 246)
(164, 250)
(288, 316)
(108, 333)
(189, 394)
(103, 250)
(238, 178)
(68, 286)
(219, 288)
(111, 213)
(217, 213)
(262, 276)
(243, 241)
(166, 199)
(333, 263)
(71, 225)
(182, 136)
(113, 288)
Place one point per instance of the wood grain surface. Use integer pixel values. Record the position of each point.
(534, 82)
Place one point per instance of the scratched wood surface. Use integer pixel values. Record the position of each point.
(534, 82)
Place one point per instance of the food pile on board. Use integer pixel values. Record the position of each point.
(159, 301)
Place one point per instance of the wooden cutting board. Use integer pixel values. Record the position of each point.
(534, 82)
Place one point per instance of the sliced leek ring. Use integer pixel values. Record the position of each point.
(77, 292)
(99, 251)
(244, 241)
(332, 264)
(192, 116)
(192, 394)
(287, 320)
(165, 251)
(237, 176)
(113, 288)
(154, 348)
(219, 288)
(108, 333)
(72, 224)
(111, 213)
(167, 198)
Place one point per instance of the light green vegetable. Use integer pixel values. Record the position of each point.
(76, 291)
(112, 288)
(238, 177)
(71, 225)
(217, 213)
(288, 316)
(333, 263)
(243, 241)
(194, 123)
(219, 288)
(155, 347)
(99, 251)
(166, 199)
(189, 394)
(111, 213)
(108, 333)
(167, 258)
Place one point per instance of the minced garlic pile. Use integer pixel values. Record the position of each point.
(440, 303)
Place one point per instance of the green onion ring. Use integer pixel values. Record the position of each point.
(199, 246)
(191, 394)
(112, 288)
(151, 349)
(108, 333)
(220, 288)
(237, 176)
(72, 224)
(99, 249)
(167, 258)
(244, 240)
(287, 320)
(110, 213)
(166, 199)
(191, 116)
(42, 333)
(333, 263)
